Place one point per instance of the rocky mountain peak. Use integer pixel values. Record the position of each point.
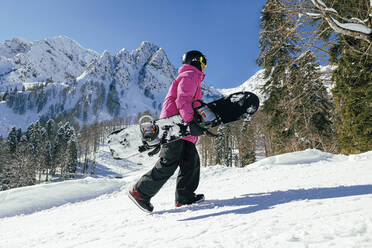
(12, 47)
(81, 83)
(142, 54)
(52, 59)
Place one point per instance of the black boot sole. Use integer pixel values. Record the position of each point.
(138, 204)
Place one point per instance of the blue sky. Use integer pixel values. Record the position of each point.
(227, 31)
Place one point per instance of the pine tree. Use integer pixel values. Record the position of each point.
(59, 149)
(278, 46)
(36, 153)
(48, 159)
(19, 168)
(4, 158)
(246, 143)
(228, 149)
(35, 141)
(220, 144)
(72, 157)
(51, 131)
(12, 139)
(310, 106)
(352, 92)
(71, 151)
(26, 163)
(224, 146)
(353, 95)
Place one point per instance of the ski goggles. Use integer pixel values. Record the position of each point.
(203, 61)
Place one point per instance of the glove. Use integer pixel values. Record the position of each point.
(195, 129)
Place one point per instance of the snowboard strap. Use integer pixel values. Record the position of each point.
(146, 147)
(155, 151)
(206, 131)
(204, 115)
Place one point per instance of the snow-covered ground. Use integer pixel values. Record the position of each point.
(302, 199)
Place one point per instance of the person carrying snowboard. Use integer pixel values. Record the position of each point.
(182, 153)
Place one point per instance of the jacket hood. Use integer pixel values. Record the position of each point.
(187, 67)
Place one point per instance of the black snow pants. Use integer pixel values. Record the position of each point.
(180, 153)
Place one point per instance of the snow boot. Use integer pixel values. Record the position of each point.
(143, 204)
(197, 198)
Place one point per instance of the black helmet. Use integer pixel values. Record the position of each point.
(194, 58)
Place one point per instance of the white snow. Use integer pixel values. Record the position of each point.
(39, 197)
(302, 199)
(320, 2)
(331, 10)
(236, 98)
(349, 26)
(354, 27)
(313, 15)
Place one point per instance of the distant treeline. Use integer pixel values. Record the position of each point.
(53, 151)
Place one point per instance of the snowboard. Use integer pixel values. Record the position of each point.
(150, 134)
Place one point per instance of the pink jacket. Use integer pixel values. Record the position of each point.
(184, 90)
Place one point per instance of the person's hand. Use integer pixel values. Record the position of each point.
(195, 129)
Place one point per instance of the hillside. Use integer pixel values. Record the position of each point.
(302, 199)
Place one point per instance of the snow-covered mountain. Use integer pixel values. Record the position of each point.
(138, 80)
(54, 59)
(71, 80)
(257, 81)
(253, 84)
(301, 199)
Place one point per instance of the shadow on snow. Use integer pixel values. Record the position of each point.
(250, 203)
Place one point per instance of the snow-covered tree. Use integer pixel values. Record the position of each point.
(12, 139)
(298, 108)
(310, 106)
(35, 155)
(220, 144)
(348, 18)
(278, 44)
(247, 141)
(224, 146)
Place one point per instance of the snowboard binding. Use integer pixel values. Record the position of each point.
(150, 133)
(203, 115)
(205, 118)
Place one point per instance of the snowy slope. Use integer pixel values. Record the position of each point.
(302, 199)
